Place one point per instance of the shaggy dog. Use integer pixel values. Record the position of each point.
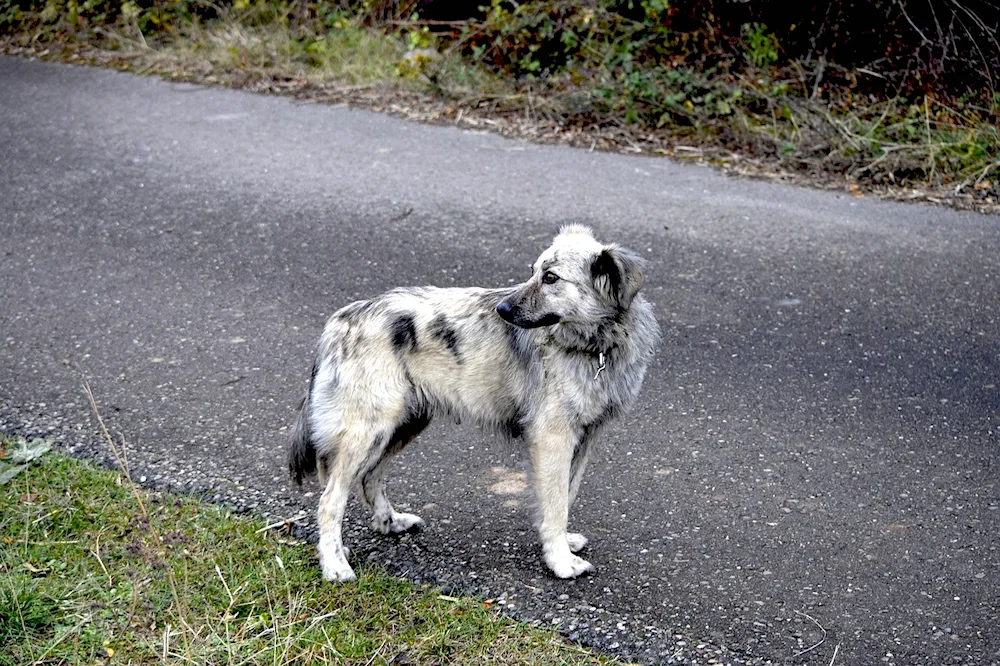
(550, 360)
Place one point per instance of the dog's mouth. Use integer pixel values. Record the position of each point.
(514, 315)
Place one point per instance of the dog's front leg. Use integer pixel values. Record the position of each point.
(552, 457)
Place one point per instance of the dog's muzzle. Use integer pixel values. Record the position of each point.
(513, 314)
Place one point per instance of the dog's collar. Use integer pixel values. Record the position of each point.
(600, 356)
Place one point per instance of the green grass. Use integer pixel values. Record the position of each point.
(94, 571)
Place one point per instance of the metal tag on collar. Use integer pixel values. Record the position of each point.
(600, 360)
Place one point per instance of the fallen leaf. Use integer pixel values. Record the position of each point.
(855, 190)
(25, 451)
(6, 474)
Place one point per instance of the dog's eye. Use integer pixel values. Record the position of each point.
(550, 278)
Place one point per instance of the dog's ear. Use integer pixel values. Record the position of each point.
(618, 275)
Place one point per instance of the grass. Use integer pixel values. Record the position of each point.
(350, 56)
(554, 71)
(93, 570)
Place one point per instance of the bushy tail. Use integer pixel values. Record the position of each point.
(301, 452)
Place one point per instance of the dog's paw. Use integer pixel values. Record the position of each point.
(568, 567)
(577, 542)
(406, 522)
(397, 523)
(333, 562)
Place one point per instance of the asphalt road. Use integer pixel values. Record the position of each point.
(814, 458)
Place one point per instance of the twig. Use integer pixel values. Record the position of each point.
(282, 522)
(53, 543)
(816, 645)
(97, 554)
(232, 599)
(433, 22)
(157, 540)
(865, 70)
(902, 8)
(932, 163)
(115, 451)
(986, 30)
(820, 68)
(982, 174)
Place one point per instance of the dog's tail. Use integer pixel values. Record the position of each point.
(301, 451)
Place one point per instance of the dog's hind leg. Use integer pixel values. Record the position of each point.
(350, 452)
(385, 519)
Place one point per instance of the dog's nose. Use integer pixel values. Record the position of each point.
(504, 309)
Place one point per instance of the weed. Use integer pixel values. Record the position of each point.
(761, 45)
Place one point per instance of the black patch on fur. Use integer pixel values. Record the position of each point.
(301, 452)
(403, 332)
(549, 319)
(412, 424)
(605, 266)
(515, 427)
(441, 329)
(407, 430)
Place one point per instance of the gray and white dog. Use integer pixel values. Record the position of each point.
(551, 360)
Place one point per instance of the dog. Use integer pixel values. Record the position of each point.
(551, 360)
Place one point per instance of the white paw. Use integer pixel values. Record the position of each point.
(405, 522)
(333, 562)
(577, 542)
(568, 566)
(397, 523)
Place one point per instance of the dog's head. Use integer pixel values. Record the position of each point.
(577, 280)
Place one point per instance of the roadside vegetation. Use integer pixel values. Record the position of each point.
(896, 96)
(96, 571)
